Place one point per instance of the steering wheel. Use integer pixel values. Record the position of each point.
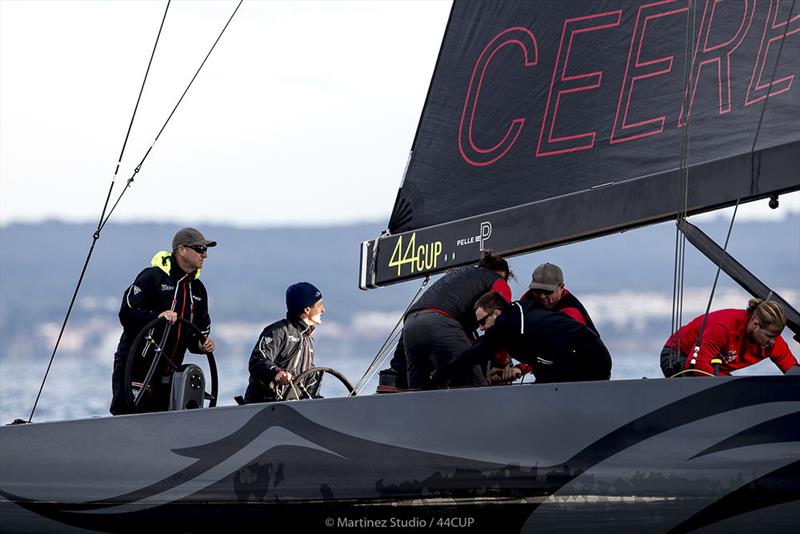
(297, 390)
(148, 353)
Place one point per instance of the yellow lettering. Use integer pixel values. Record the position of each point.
(395, 259)
(410, 249)
(430, 259)
(419, 258)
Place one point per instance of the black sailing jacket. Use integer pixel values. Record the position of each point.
(534, 336)
(164, 286)
(285, 345)
(456, 293)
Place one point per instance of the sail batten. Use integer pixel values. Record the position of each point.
(550, 122)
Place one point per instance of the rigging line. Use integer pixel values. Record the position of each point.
(681, 282)
(174, 109)
(130, 125)
(723, 255)
(388, 344)
(363, 380)
(771, 81)
(100, 223)
(673, 326)
(678, 284)
(397, 325)
(680, 241)
(371, 372)
(141, 90)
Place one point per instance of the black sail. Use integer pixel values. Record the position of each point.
(549, 122)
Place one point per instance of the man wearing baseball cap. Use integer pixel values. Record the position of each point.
(552, 346)
(547, 291)
(285, 348)
(169, 288)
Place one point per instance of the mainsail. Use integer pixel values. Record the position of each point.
(551, 122)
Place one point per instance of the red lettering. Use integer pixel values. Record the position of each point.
(775, 31)
(716, 53)
(470, 151)
(572, 83)
(640, 70)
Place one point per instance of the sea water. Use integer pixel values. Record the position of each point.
(78, 388)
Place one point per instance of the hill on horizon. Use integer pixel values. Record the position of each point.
(249, 270)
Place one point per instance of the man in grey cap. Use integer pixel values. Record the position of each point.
(547, 291)
(170, 288)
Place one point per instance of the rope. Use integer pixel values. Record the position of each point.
(766, 98)
(100, 223)
(679, 267)
(390, 342)
(174, 109)
(696, 350)
(373, 368)
(693, 371)
(104, 218)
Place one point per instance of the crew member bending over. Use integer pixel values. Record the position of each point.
(737, 338)
(554, 347)
(440, 325)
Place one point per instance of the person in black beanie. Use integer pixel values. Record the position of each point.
(285, 348)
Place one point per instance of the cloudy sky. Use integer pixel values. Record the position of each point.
(304, 114)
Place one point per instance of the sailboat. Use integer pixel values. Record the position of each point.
(545, 123)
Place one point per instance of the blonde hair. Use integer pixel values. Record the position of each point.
(766, 312)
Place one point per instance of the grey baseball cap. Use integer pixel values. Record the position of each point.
(191, 236)
(547, 276)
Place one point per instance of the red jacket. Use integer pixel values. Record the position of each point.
(724, 336)
(567, 304)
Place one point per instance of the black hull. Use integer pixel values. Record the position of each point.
(655, 455)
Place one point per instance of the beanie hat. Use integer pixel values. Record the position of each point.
(300, 296)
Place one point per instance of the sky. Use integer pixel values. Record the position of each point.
(303, 115)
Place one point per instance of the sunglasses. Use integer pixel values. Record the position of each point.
(543, 291)
(482, 320)
(200, 249)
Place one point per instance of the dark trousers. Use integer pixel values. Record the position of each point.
(398, 365)
(433, 340)
(672, 361)
(584, 357)
(119, 405)
(156, 399)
